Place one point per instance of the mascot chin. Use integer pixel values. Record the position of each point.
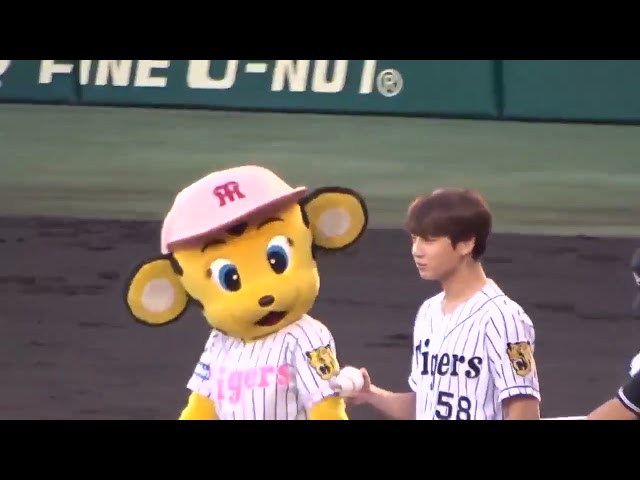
(241, 244)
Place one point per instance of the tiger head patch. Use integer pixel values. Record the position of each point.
(521, 358)
(323, 361)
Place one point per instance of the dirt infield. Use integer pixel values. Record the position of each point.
(71, 351)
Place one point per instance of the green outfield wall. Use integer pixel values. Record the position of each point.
(547, 90)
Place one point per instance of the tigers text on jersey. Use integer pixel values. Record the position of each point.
(466, 363)
(276, 378)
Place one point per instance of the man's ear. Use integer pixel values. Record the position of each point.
(154, 293)
(337, 217)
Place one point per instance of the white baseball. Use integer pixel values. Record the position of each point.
(348, 382)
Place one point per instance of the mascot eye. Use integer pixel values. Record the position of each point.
(225, 274)
(279, 254)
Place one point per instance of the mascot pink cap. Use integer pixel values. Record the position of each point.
(213, 202)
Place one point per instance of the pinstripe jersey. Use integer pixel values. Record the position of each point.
(274, 378)
(466, 363)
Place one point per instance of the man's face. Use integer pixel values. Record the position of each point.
(435, 257)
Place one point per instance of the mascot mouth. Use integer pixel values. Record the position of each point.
(271, 319)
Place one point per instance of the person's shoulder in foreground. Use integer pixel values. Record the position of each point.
(626, 403)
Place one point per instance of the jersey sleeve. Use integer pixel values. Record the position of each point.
(313, 356)
(629, 394)
(200, 381)
(510, 351)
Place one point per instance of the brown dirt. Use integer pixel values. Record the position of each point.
(71, 351)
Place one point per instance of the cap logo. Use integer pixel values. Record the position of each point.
(228, 192)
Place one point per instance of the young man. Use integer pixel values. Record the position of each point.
(473, 345)
(626, 404)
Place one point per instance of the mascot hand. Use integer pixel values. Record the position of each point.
(348, 382)
(199, 408)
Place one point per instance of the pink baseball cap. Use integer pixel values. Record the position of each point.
(222, 199)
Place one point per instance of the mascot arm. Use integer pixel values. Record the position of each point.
(331, 408)
(316, 365)
(199, 407)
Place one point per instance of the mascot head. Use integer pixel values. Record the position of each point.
(241, 244)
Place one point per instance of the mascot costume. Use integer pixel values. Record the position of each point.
(241, 244)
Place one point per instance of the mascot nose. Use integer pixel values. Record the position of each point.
(266, 301)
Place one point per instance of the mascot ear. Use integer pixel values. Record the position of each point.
(155, 295)
(337, 217)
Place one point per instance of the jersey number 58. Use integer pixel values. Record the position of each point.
(447, 406)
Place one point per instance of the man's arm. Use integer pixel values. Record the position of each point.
(510, 340)
(521, 407)
(395, 406)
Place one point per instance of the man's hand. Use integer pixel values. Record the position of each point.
(355, 385)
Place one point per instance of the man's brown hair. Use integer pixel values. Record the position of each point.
(456, 213)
